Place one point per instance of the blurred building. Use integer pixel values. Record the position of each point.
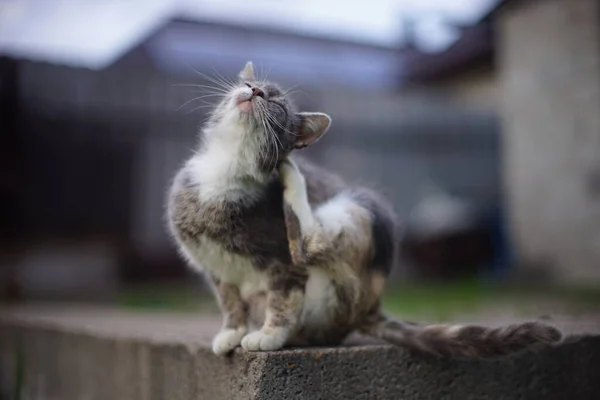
(464, 73)
(549, 74)
(538, 64)
(97, 132)
(459, 228)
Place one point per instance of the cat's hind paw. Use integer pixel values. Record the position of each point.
(262, 341)
(227, 340)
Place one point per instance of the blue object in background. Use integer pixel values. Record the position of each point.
(503, 257)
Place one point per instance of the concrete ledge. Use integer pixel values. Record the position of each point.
(87, 354)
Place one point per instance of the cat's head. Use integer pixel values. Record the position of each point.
(261, 117)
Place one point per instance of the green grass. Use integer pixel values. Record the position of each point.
(165, 297)
(440, 301)
(445, 300)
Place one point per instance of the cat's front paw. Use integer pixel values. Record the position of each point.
(227, 340)
(260, 340)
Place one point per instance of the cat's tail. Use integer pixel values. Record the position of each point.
(468, 341)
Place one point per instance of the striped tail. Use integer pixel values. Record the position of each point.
(468, 341)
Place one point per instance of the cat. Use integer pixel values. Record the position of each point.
(294, 255)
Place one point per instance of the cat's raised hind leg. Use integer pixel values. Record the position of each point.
(305, 233)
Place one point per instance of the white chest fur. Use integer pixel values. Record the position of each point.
(229, 152)
(208, 255)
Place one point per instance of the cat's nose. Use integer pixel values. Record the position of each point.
(257, 92)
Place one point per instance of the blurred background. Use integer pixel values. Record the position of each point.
(479, 119)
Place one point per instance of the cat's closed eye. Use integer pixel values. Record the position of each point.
(279, 105)
(273, 91)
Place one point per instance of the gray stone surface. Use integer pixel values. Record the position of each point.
(89, 353)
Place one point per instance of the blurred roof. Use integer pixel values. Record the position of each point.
(474, 46)
(375, 22)
(283, 56)
(83, 33)
(93, 34)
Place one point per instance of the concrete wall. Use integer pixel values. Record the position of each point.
(88, 353)
(549, 64)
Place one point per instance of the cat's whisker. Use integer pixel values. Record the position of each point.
(297, 91)
(229, 82)
(207, 105)
(207, 92)
(213, 80)
(194, 99)
(271, 119)
(277, 138)
(216, 89)
(260, 72)
(280, 126)
(290, 89)
(261, 117)
(265, 75)
(270, 134)
(271, 150)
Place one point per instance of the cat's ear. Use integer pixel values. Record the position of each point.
(247, 74)
(313, 126)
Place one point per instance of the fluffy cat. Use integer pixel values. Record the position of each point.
(293, 254)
